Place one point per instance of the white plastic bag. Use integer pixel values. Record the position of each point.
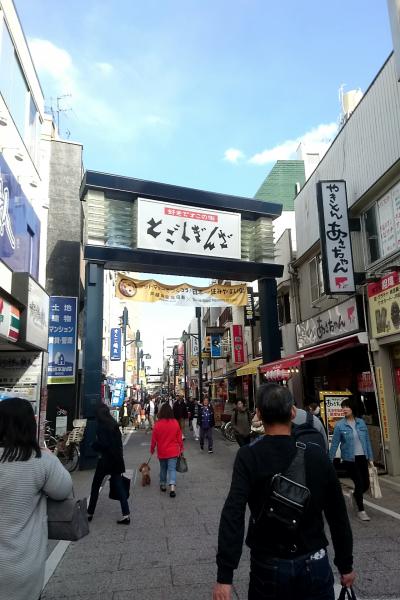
(374, 487)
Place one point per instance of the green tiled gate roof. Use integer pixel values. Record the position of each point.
(280, 183)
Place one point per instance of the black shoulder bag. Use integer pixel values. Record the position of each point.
(288, 494)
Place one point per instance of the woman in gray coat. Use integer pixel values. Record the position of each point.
(27, 476)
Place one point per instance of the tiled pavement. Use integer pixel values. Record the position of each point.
(168, 551)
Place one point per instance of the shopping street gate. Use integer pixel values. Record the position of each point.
(148, 227)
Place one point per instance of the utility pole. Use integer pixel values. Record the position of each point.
(185, 369)
(198, 316)
(124, 326)
(137, 339)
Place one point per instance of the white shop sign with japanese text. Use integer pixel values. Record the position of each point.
(187, 229)
(338, 321)
(337, 256)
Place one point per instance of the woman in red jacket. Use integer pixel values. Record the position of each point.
(167, 436)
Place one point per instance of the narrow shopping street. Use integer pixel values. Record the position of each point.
(168, 551)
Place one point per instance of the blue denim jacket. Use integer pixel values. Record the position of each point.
(343, 436)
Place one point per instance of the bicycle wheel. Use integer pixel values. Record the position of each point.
(229, 432)
(69, 457)
(51, 442)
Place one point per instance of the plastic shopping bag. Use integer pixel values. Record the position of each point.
(374, 487)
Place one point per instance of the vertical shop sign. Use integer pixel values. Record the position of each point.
(195, 345)
(115, 345)
(382, 403)
(62, 339)
(337, 258)
(238, 347)
(216, 345)
(118, 393)
(249, 309)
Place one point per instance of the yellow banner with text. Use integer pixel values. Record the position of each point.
(127, 288)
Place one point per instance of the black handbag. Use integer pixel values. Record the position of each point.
(67, 519)
(347, 594)
(113, 495)
(181, 465)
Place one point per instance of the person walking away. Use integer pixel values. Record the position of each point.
(351, 434)
(195, 421)
(241, 423)
(301, 419)
(111, 462)
(167, 438)
(151, 413)
(206, 423)
(180, 413)
(284, 562)
(190, 408)
(28, 475)
(124, 415)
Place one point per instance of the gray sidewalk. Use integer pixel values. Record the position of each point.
(168, 551)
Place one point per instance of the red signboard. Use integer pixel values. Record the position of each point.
(389, 281)
(238, 346)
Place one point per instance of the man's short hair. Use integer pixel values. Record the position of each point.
(275, 403)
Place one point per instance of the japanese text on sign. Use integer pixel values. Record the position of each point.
(335, 237)
(188, 230)
(62, 339)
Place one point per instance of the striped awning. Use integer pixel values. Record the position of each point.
(9, 321)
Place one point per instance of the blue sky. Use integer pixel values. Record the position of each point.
(200, 93)
(162, 89)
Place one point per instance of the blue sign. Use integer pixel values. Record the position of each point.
(118, 392)
(62, 339)
(19, 226)
(115, 345)
(216, 346)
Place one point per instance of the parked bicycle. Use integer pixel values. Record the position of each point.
(67, 446)
(50, 441)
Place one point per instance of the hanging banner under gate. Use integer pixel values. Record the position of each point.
(150, 290)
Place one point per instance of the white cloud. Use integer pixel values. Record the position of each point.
(104, 67)
(233, 155)
(124, 120)
(320, 137)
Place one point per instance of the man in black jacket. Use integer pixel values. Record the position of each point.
(284, 564)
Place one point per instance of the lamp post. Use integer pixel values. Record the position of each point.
(185, 337)
(124, 324)
(198, 316)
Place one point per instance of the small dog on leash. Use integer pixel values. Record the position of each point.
(144, 469)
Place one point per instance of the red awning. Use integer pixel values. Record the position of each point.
(289, 362)
(283, 369)
(328, 348)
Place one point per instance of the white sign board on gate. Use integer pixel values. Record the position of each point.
(337, 258)
(185, 229)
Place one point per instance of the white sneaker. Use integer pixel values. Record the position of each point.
(362, 515)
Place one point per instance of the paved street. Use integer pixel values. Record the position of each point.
(168, 551)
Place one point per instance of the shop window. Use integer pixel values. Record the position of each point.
(284, 309)
(13, 86)
(316, 278)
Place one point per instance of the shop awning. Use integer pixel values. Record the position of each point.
(225, 375)
(281, 369)
(250, 369)
(289, 362)
(323, 350)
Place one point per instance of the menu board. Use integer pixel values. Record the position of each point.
(331, 411)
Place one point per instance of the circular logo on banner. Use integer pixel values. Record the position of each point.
(127, 288)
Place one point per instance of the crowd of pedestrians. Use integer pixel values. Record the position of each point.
(286, 537)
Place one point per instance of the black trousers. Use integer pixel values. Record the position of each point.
(100, 473)
(242, 440)
(358, 472)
